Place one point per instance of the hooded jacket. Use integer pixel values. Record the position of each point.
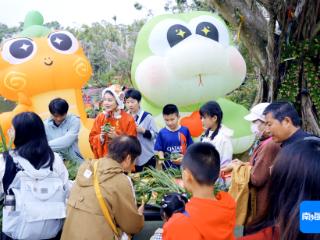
(85, 219)
(204, 219)
(124, 124)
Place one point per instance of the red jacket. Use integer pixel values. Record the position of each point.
(204, 219)
(124, 125)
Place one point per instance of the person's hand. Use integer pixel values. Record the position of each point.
(227, 168)
(141, 208)
(233, 164)
(112, 132)
(140, 130)
(178, 160)
(103, 132)
(236, 161)
(102, 135)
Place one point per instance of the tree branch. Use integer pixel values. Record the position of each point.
(254, 28)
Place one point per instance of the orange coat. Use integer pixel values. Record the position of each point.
(268, 233)
(124, 126)
(205, 219)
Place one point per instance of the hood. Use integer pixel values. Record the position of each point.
(226, 131)
(214, 218)
(107, 169)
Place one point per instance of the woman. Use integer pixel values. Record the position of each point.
(219, 136)
(112, 122)
(294, 178)
(33, 153)
(85, 215)
(262, 157)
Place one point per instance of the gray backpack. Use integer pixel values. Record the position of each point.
(40, 204)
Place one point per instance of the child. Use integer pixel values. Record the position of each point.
(206, 216)
(146, 129)
(171, 203)
(219, 136)
(173, 139)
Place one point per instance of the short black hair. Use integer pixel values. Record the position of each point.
(283, 109)
(133, 93)
(170, 109)
(203, 161)
(122, 146)
(58, 106)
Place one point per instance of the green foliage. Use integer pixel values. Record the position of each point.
(109, 48)
(72, 167)
(151, 185)
(180, 6)
(301, 60)
(245, 94)
(3, 145)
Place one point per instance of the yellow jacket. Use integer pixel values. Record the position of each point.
(243, 195)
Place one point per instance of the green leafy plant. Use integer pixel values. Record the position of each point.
(107, 127)
(72, 167)
(4, 147)
(151, 185)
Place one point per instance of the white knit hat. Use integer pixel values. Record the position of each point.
(116, 96)
(256, 113)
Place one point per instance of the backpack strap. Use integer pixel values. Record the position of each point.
(102, 201)
(144, 115)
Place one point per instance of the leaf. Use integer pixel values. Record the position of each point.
(3, 140)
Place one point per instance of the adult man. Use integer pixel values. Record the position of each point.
(283, 123)
(62, 130)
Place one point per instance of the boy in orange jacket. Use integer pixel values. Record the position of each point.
(207, 216)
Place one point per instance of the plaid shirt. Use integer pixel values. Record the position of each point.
(157, 235)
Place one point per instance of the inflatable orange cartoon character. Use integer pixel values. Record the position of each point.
(39, 65)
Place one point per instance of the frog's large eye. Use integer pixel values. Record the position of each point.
(177, 33)
(63, 42)
(18, 50)
(211, 27)
(166, 34)
(208, 30)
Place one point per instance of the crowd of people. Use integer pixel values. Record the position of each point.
(281, 172)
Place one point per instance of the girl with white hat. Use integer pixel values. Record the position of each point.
(112, 122)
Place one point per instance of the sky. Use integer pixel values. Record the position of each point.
(77, 12)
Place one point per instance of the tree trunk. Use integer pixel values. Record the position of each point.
(253, 30)
(262, 88)
(299, 20)
(309, 120)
